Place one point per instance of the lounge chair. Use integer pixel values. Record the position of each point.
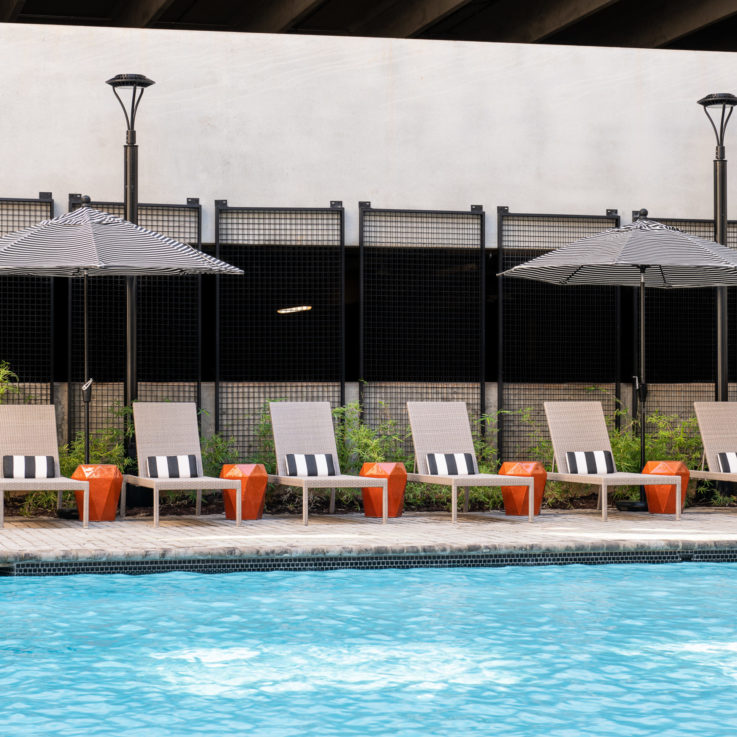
(441, 428)
(166, 430)
(306, 429)
(581, 427)
(718, 427)
(30, 430)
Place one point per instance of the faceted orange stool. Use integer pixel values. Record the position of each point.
(661, 498)
(396, 475)
(516, 501)
(253, 489)
(106, 481)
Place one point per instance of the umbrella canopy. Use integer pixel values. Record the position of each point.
(95, 243)
(666, 256)
(643, 254)
(89, 243)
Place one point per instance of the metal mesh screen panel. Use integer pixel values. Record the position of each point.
(168, 335)
(681, 363)
(421, 311)
(292, 258)
(27, 312)
(556, 343)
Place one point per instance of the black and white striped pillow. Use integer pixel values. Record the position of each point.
(29, 467)
(310, 464)
(172, 467)
(590, 461)
(450, 464)
(727, 462)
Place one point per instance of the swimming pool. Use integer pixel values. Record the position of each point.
(559, 651)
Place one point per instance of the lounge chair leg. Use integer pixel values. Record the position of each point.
(331, 509)
(2, 508)
(305, 504)
(156, 507)
(603, 502)
(385, 502)
(198, 503)
(531, 500)
(238, 505)
(598, 501)
(86, 507)
(122, 499)
(465, 500)
(453, 503)
(679, 492)
(59, 499)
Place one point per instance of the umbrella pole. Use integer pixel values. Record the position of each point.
(642, 388)
(87, 386)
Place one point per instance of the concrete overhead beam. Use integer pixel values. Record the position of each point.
(530, 22)
(141, 13)
(276, 16)
(410, 18)
(9, 10)
(667, 22)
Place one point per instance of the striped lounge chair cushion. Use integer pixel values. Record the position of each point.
(29, 467)
(590, 461)
(727, 462)
(450, 464)
(310, 464)
(172, 467)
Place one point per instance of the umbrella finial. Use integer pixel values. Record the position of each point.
(642, 214)
(85, 201)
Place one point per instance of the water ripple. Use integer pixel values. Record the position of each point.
(554, 651)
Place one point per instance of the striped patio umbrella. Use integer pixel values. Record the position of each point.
(90, 243)
(643, 254)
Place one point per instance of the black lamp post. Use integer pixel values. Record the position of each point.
(718, 108)
(135, 84)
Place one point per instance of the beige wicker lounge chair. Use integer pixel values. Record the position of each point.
(443, 427)
(580, 426)
(718, 427)
(30, 430)
(170, 429)
(307, 427)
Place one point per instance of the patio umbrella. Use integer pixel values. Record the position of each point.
(90, 243)
(643, 254)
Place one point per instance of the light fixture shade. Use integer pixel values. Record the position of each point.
(121, 81)
(718, 98)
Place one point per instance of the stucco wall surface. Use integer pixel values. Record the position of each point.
(272, 120)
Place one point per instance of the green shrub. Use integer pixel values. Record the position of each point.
(8, 381)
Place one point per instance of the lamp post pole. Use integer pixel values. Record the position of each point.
(721, 104)
(136, 84)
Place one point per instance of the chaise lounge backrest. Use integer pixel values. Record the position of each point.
(576, 426)
(439, 427)
(718, 427)
(302, 427)
(29, 430)
(166, 429)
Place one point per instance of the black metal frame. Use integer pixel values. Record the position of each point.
(503, 213)
(477, 211)
(45, 201)
(335, 209)
(145, 210)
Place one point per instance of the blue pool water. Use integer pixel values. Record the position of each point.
(556, 651)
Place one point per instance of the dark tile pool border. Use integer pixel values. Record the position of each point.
(366, 561)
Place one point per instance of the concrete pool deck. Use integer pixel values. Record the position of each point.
(40, 546)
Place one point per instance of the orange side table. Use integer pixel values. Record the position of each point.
(661, 498)
(515, 498)
(106, 480)
(396, 475)
(253, 489)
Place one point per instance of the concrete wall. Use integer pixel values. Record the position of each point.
(299, 120)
